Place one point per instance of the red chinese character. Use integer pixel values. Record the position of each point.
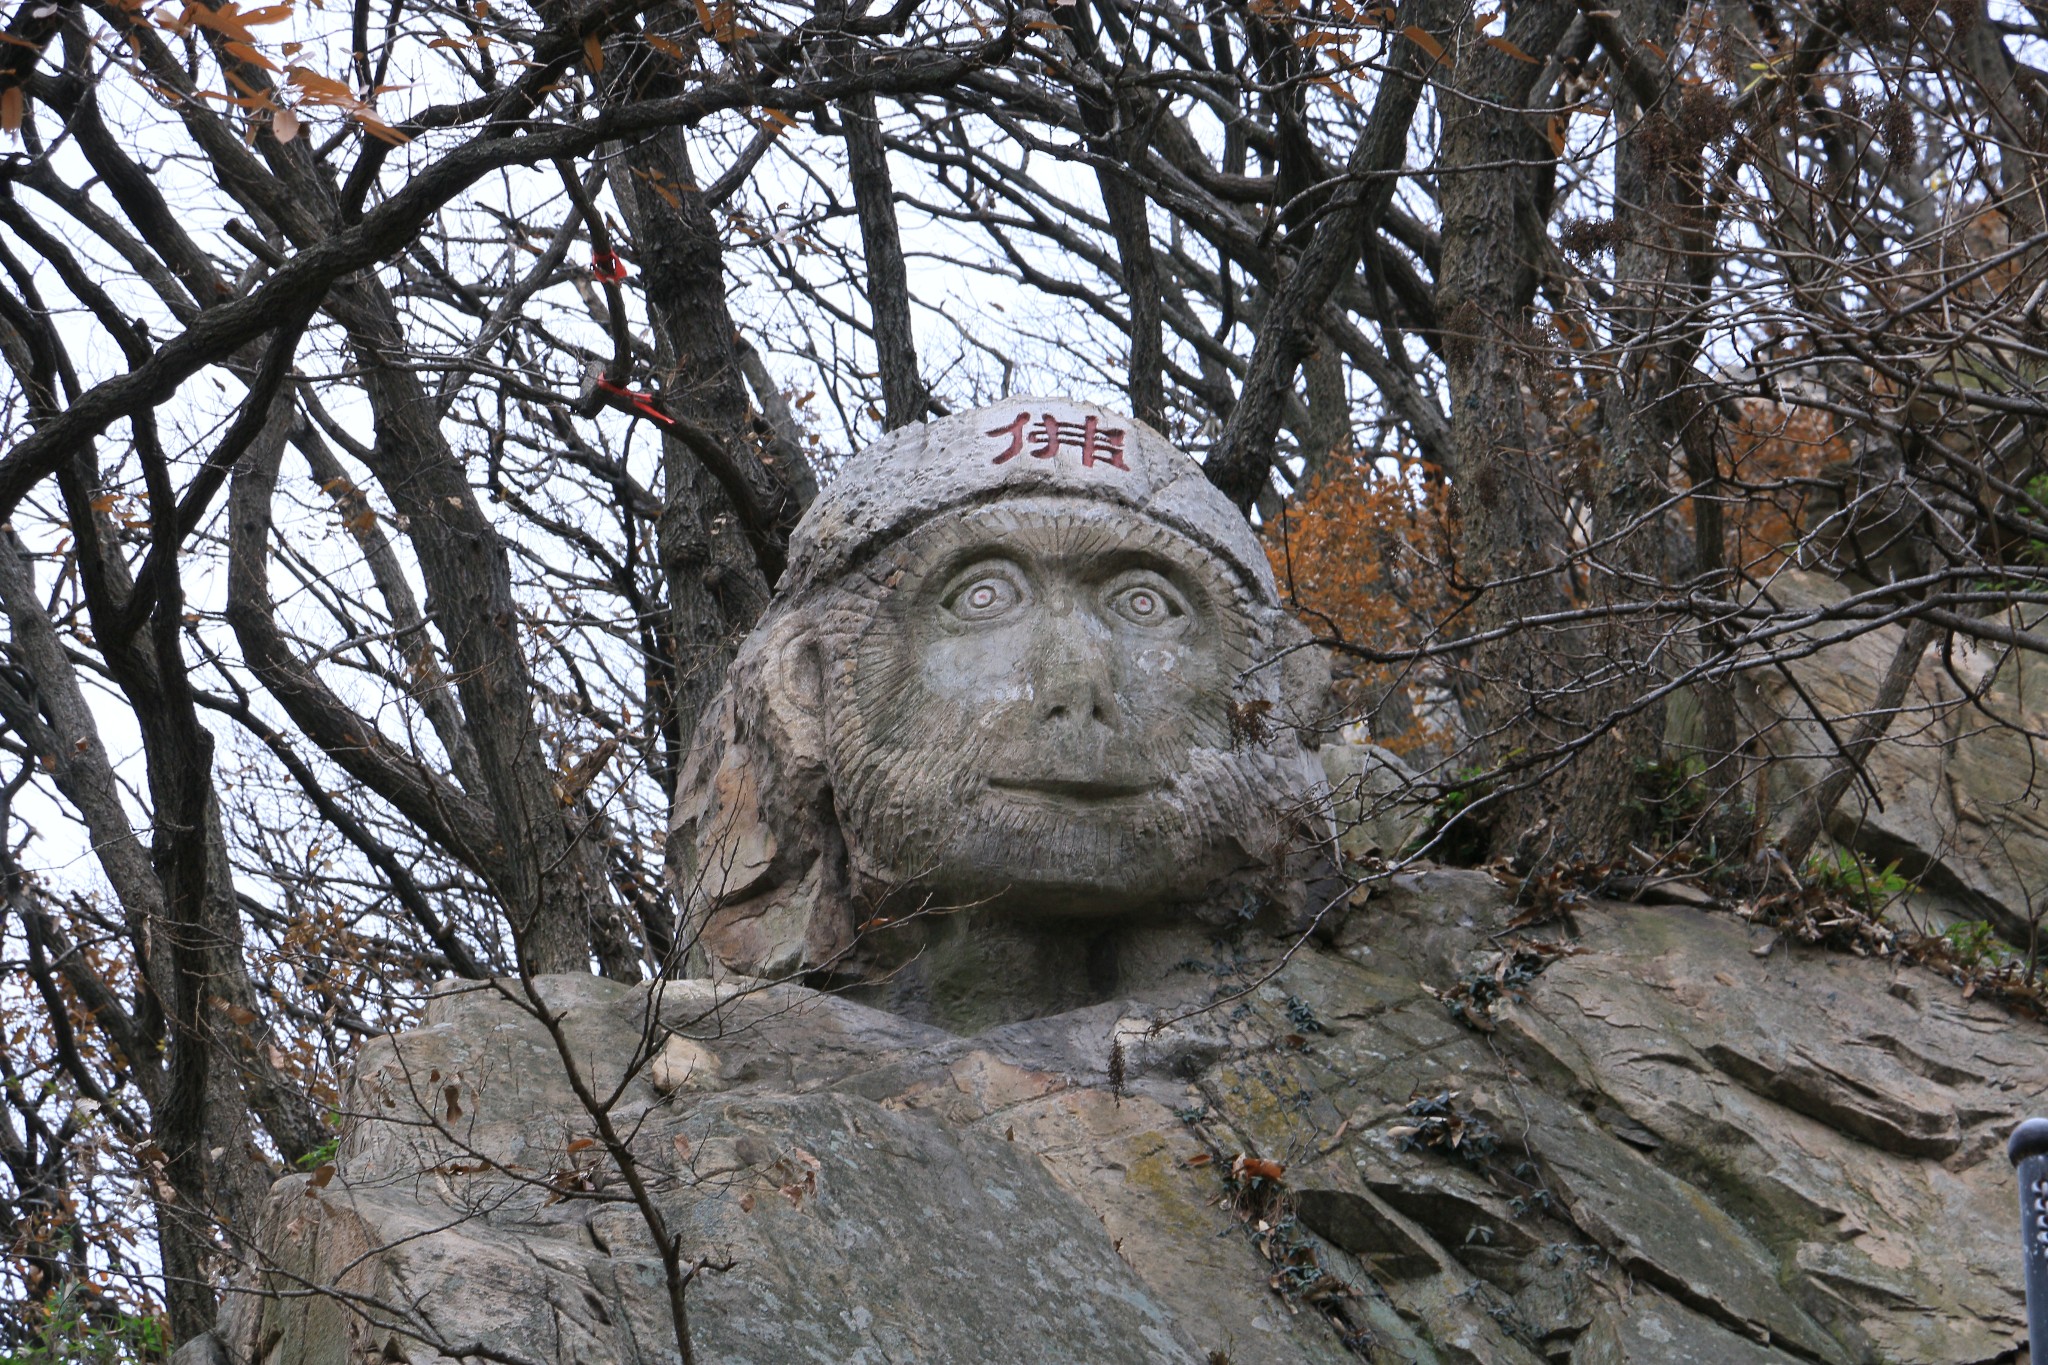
(1015, 431)
(1049, 434)
(1095, 441)
(1097, 445)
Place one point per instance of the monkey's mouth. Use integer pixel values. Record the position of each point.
(1083, 791)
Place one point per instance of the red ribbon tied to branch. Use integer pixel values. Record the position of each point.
(607, 267)
(631, 400)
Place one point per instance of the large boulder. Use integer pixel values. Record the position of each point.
(1955, 790)
(1114, 1068)
(1638, 1141)
(1377, 802)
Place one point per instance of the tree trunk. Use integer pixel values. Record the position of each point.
(904, 397)
(1241, 462)
(552, 883)
(1506, 491)
(715, 590)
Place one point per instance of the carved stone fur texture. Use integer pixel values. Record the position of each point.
(1025, 660)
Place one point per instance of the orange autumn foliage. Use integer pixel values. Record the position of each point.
(1359, 553)
(1768, 451)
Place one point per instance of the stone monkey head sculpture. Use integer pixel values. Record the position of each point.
(1025, 660)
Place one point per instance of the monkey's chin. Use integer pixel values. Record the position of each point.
(1079, 798)
(1054, 852)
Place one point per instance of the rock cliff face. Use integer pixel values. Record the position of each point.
(1954, 794)
(1050, 689)
(1635, 1136)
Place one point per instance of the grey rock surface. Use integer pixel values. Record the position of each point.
(1023, 753)
(1957, 798)
(1377, 802)
(1673, 1151)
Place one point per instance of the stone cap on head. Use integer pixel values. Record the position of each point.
(1020, 447)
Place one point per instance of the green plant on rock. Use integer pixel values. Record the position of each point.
(1976, 946)
(1455, 834)
(2035, 552)
(1672, 796)
(74, 1332)
(1856, 879)
(320, 1155)
(2031, 552)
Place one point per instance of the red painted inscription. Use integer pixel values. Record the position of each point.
(1097, 444)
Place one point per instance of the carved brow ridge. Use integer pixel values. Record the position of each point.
(1043, 508)
(1092, 553)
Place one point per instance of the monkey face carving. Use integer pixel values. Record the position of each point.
(1000, 671)
(1038, 710)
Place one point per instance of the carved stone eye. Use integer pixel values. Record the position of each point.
(984, 597)
(1147, 602)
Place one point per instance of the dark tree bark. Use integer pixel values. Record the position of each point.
(1507, 497)
(1658, 196)
(1241, 461)
(1111, 119)
(716, 586)
(904, 396)
(551, 879)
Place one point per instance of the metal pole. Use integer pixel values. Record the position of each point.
(2028, 1151)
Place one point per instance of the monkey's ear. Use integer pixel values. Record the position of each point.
(803, 674)
(741, 792)
(1305, 702)
(787, 674)
(761, 864)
